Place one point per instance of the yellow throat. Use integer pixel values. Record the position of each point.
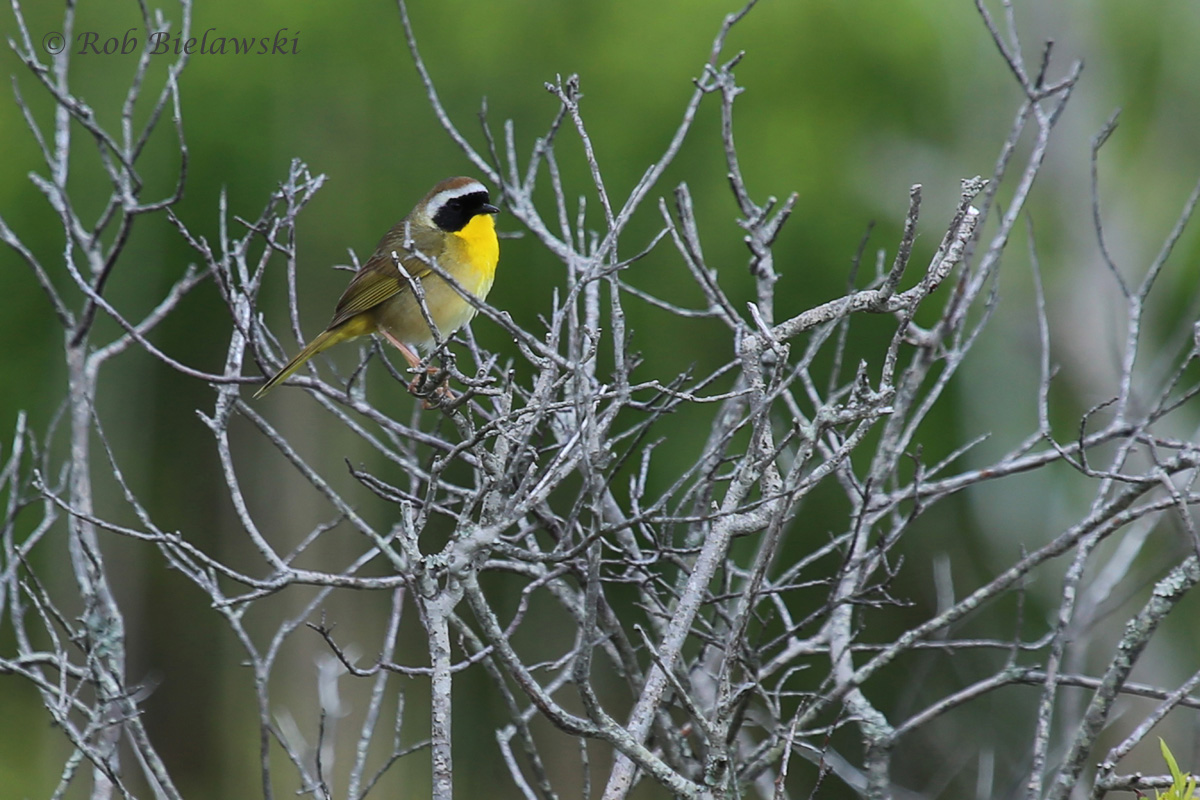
(482, 252)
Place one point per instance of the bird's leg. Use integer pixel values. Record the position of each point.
(415, 362)
(405, 350)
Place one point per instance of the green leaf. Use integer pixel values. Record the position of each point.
(1183, 785)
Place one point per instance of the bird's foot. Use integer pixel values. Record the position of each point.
(432, 387)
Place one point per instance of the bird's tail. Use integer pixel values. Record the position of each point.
(322, 342)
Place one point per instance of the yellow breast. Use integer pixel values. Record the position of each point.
(476, 256)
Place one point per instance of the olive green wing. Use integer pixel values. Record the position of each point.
(378, 280)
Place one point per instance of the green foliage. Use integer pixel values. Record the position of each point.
(1184, 785)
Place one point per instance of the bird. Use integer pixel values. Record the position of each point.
(454, 227)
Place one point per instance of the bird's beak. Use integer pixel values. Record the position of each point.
(488, 208)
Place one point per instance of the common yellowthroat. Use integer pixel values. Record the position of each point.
(453, 227)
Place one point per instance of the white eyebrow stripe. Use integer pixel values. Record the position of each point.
(439, 199)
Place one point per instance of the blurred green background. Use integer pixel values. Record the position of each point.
(847, 104)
